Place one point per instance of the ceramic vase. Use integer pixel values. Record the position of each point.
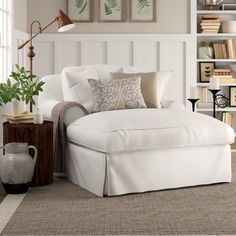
(18, 107)
(17, 167)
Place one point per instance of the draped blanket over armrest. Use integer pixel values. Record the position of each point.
(59, 132)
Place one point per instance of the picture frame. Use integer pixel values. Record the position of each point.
(80, 10)
(112, 10)
(232, 96)
(206, 71)
(142, 11)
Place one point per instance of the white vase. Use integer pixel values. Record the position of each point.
(17, 167)
(18, 107)
(38, 117)
(205, 53)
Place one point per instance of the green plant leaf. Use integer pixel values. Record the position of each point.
(79, 3)
(112, 3)
(108, 10)
(83, 8)
(143, 3)
(21, 87)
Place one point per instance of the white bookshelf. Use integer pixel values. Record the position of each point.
(198, 11)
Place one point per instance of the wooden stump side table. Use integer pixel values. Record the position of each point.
(41, 136)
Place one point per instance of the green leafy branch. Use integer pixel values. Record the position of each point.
(22, 87)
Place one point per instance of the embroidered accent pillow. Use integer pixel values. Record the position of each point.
(153, 85)
(116, 94)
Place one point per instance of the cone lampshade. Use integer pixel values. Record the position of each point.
(64, 22)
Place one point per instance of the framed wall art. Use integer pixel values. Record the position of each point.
(111, 10)
(143, 10)
(232, 96)
(206, 71)
(80, 10)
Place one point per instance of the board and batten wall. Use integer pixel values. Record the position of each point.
(146, 52)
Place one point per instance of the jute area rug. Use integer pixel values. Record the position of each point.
(65, 209)
(2, 192)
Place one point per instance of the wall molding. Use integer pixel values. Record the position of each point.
(147, 52)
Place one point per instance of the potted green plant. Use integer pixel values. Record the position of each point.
(20, 88)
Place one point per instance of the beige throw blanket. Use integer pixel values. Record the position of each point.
(59, 133)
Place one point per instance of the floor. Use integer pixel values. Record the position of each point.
(2, 193)
(65, 209)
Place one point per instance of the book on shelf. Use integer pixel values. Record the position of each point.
(210, 17)
(226, 117)
(204, 24)
(227, 80)
(220, 51)
(202, 93)
(210, 27)
(209, 32)
(210, 24)
(225, 75)
(223, 71)
(203, 105)
(231, 48)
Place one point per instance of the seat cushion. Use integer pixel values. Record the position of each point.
(142, 129)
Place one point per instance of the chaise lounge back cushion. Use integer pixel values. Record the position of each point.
(153, 85)
(75, 84)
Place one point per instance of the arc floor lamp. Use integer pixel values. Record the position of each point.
(64, 24)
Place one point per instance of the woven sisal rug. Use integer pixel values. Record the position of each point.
(2, 192)
(65, 209)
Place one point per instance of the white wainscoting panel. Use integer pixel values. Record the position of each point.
(147, 52)
(172, 57)
(147, 56)
(62, 50)
(44, 61)
(93, 53)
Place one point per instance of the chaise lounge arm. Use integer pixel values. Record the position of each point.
(68, 111)
(171, 104)
(63, 114)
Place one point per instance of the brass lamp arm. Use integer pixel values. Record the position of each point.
(40, 31)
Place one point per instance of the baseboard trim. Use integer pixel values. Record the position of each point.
(7, 208)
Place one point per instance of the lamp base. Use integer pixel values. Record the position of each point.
(214, 93)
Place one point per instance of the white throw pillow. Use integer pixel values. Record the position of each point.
(161, 84)
(75, 82)
(153, 85)
(75, 85)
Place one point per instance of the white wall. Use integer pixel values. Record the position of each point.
(172, 17)
(20, 14)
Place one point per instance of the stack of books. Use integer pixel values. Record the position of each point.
(203, 98)
(220, 51)
(19, 118)
(210, 24)
(225, 76)
(227, 118)
(231, 48)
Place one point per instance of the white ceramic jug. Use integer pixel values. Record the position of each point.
(17, 167)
